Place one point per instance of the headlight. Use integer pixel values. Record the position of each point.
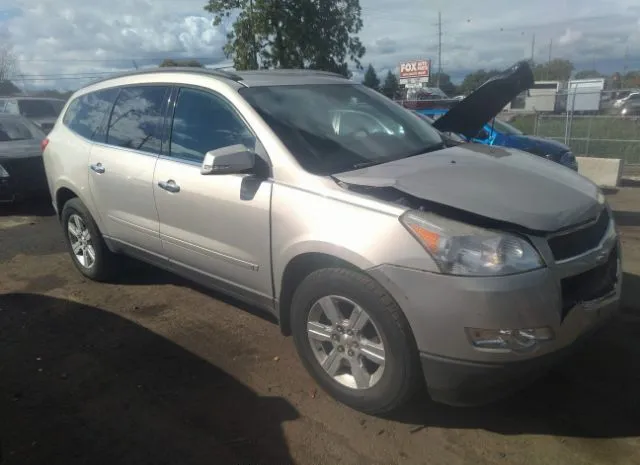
(461, 249)
(3, 172)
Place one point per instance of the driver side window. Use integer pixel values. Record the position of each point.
(204, 122)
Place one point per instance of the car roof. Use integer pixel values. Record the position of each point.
(25, 97)
(257, 78)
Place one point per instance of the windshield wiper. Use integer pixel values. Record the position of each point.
(431, 148)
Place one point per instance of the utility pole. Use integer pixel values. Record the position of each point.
(549, 62)
(254, 47)
(439, 49)
(533, 46)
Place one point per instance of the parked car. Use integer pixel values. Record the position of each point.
(494, 131)
(42, 111)
(629, 105)
(388, 256)
(21, 169)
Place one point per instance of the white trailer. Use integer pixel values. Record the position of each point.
(543, 97)
(585, 95)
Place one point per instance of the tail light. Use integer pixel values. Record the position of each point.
(44, 143)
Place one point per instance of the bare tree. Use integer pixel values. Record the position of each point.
(7, 62)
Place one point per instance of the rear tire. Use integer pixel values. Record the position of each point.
(374, 374)
(85, 243)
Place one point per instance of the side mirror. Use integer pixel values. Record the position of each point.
(482, 134)
(228, 160)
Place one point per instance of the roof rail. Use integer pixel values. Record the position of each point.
(303, 72)
(174, 69)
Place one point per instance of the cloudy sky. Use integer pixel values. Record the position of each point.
(66, 43)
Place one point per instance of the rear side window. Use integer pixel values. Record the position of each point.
(14, 130)
(204, 122)
(136, 121)
(9, 106)
(37, 109)
(86, 114)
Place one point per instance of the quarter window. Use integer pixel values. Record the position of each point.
(85, 114)
(136, 121)
(204, 122)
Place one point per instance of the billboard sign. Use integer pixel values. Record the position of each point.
(415, 69)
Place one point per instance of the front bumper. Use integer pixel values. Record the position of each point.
(440, 307)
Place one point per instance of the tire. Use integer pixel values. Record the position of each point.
(401, 374)
(104, 262)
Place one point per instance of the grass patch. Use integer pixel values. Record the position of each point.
(593, 136)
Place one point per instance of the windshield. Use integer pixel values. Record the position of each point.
(13, 130)
(38, 109)
(506, 128)
(341, 127)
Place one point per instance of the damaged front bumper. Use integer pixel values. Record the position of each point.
(442, 308)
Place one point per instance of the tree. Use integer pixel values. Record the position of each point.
(555, 70)
(371, 78)
(588, 74)
(168, 63)
(7, 62)
(9, 88)
(391, 86)
(446, 85)
(474, 80)
(314, 34)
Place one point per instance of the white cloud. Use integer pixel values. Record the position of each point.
(58, 38)
(569, 37)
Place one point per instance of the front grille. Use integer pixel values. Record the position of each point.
(577, 242)
(591, 284)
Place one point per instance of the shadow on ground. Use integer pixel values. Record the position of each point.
(33, 207)
(81, 385)
(594, 394)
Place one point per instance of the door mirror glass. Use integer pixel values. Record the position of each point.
(483, 134)
(226, 160)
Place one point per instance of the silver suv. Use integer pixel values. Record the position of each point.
(389, 257)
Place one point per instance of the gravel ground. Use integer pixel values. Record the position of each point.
(155, 370)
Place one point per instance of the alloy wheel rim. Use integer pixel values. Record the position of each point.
(346, 342)
(81, 242)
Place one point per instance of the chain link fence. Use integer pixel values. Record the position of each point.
(594, 124)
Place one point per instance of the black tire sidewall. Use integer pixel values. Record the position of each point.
(101, 269)
(399, 376)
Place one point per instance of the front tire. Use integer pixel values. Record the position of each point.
(85, 243)
(354, 340)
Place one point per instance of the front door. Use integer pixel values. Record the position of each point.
(121, 170)
(217, 225)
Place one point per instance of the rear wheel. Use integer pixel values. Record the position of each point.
(86, 245)
(354, 340)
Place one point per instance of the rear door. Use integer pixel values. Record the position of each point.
(121, 169)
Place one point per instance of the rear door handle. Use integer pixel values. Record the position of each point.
(98, 168)
(169, 186)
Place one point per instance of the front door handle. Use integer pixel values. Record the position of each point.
(98, 168)
(169, 186)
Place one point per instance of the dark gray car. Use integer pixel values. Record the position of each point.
(21, 169)
(43, 111)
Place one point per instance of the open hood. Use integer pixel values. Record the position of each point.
(485, 103)
(493, 182)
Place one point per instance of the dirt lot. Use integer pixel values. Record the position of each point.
(153, 370)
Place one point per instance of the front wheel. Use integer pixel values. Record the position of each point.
(354, 340)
